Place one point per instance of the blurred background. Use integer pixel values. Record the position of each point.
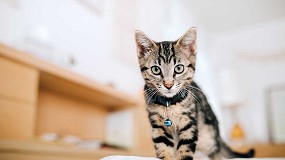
(241, 58)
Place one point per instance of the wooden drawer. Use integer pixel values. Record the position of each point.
(17, 119)
(64, 115)
(18, 81)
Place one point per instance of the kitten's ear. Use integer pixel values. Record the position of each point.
(188, 41)
(144, 44)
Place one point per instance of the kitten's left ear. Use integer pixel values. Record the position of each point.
(187, 42)
(144, 44)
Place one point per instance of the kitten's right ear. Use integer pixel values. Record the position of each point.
(144, 44)
(188, 41)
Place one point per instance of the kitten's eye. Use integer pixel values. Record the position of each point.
(155, 70)
(179, 69)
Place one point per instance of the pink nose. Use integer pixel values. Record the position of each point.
(168, 85)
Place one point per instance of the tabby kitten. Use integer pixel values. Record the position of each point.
(179, 113)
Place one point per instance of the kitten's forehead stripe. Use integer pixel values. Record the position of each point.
(173, 55)
(159, 60)
(161, 53)
(166, 52)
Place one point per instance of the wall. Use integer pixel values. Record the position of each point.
(69, 27)
(257, 54)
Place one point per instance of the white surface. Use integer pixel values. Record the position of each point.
(128, 158)
(149, 158)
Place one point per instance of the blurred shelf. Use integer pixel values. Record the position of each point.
(16, 149)
(64, 81)
(38, 97)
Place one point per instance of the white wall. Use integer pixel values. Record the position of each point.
(255, 53)
(72, 28)
(101, 42)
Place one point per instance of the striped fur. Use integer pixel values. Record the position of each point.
(194, 124)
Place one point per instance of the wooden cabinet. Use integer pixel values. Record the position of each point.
(18, 81)
(17, 119)
(18, 94)
(69, 116)
(38, 97)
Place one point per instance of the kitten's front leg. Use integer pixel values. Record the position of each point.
(163, 144)
(163, 140)
(187, 139)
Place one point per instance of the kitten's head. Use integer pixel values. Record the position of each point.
(167, 66)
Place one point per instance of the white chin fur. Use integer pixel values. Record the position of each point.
(171, 94)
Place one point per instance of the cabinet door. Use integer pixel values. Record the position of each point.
(17, 119)
(18, 81)
(18, 96)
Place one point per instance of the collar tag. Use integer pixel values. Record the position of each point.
(167, 103)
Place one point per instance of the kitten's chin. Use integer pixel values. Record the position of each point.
(169, 94)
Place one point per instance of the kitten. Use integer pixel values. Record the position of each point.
(179, 113)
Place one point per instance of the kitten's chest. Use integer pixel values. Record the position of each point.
(177, 114)
(174, 113)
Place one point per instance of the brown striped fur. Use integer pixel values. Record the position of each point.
(195, 126)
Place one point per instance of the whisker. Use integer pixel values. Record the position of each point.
(184, 95)
(138, 95)
(195, 97)
(148, 91)
(151, 96)
(148, 94)
(181, 93)
(198, 89)
(134, 97)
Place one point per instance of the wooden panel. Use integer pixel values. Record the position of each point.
(18, 81)
(11, 149)
(265, 150)
(17, 119)
(76, 90)
(270, 150)
(60, 79)
(143, 140)
(31, 156)
(65, 115)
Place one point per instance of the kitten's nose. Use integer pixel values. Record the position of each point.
(169, 84)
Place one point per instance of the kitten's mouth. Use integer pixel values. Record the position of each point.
(169, 93)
